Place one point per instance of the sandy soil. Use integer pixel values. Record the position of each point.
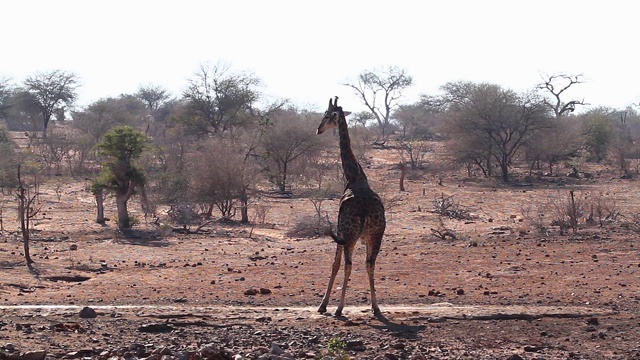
(500, 290)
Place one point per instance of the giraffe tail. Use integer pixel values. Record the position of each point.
(336, 238)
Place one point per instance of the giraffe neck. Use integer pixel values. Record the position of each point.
(352, 170)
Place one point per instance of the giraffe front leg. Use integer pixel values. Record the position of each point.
(334, 271)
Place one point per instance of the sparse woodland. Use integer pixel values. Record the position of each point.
(212, 150)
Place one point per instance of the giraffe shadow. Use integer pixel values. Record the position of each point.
(399, 330)
(384, 324)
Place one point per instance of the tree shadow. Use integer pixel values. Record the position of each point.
(141, 238)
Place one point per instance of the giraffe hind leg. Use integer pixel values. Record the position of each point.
(334, 271)
(348, 251)
(373, 248)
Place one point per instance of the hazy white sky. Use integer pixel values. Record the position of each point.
(305, 50)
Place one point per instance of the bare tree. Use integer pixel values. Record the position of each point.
(52, 91)
(380, 90)
(27, 209)
(218, 98)
(556, 85)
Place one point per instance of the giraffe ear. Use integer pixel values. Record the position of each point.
(346, 113)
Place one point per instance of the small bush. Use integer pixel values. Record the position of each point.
(603, 210)
(534, 218)
(309, 226)
(567, 211)
(446, 206)
(184, 215)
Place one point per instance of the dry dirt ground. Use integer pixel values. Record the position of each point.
(500, 290)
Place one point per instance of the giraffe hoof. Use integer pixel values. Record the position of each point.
(322, 309)
(338, 313)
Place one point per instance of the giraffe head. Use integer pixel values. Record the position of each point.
(331, 117)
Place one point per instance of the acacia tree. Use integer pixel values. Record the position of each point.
(500, 119)
(623, 144)
(380, 90)
(5, 95)
(290, 137)
(556, 85)
(218, 98)
(104, 114)
(216, 176)
(121, 146)
(153, 96)
(561, 141)
(52, 91)
(599, 123)
(417, 123)
(8, 179)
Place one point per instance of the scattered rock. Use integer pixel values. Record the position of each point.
(251, 292)
(73, 247)
(515, 357)
(276, 349)
(88, 353)
(87, 313)
(265, 291)
(211, 351)
(593, 321)
(355, 345)
(532, 348)
(34, 355)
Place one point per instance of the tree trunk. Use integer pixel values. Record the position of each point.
(504, 168)
(100, 204)
(123, 213)
(244, 206)
(283, 184)
(403, 172)
(23, 214)
(25, 241)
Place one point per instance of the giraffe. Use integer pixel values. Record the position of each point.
(361, 214)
